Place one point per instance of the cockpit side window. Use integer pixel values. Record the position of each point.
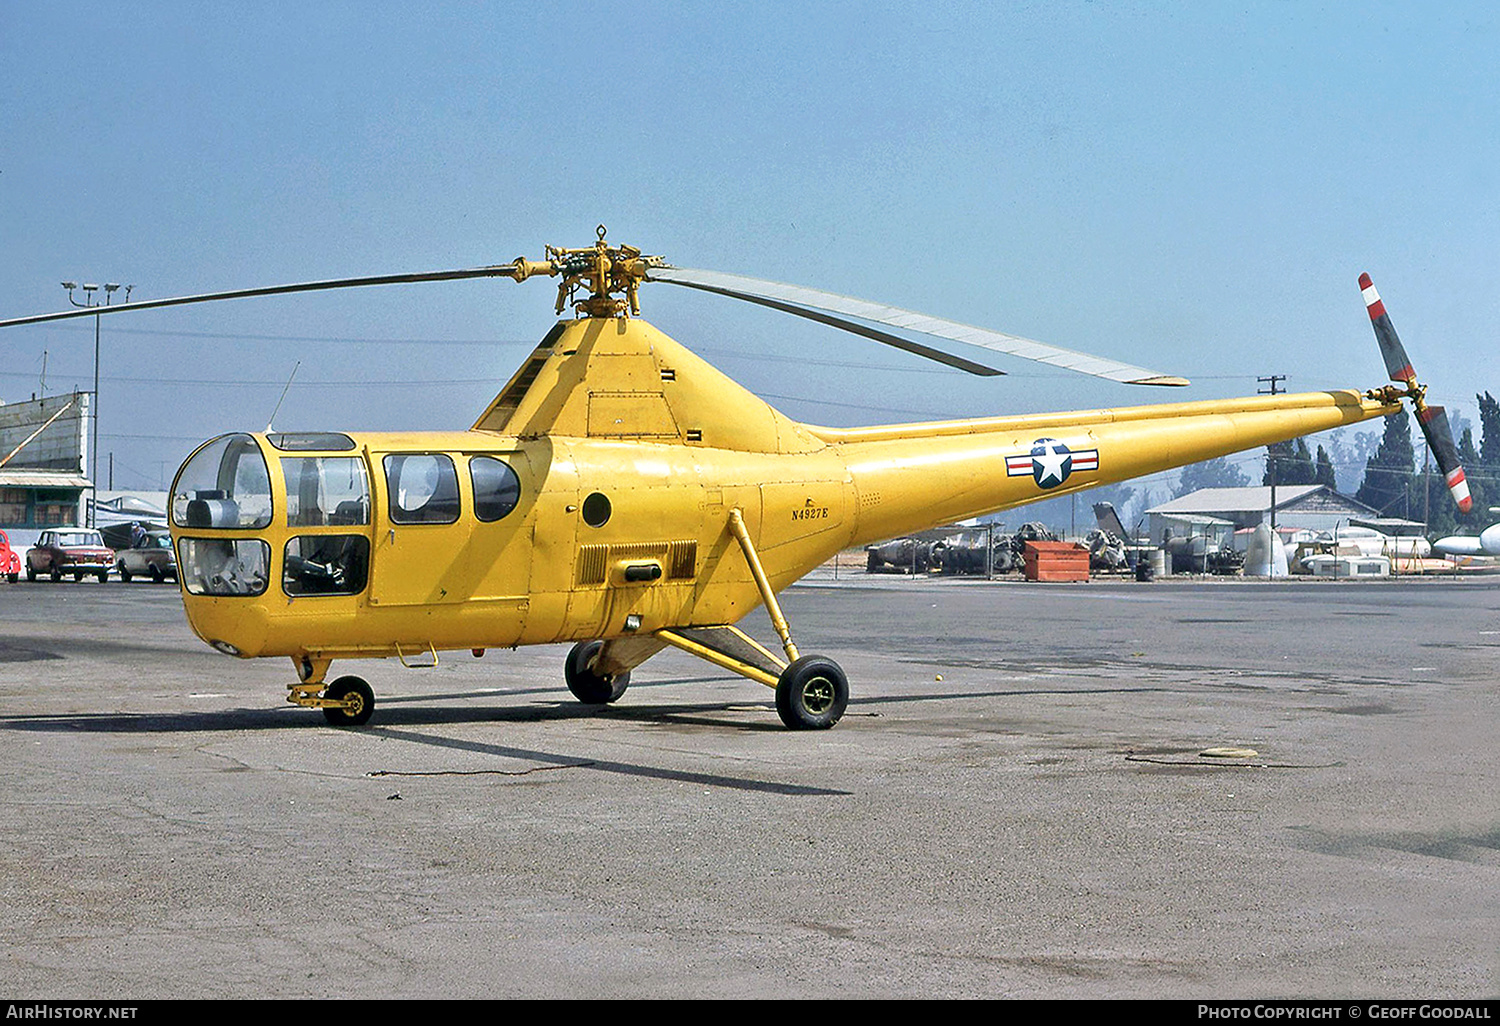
(422, 488)
(325, 491)
(326, 564)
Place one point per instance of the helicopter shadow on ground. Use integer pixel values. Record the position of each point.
(400, 718)
(553, 761)
(399, 724)
(418, 710)
(389, 713)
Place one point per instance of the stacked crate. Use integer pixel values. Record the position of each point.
(1056, 561)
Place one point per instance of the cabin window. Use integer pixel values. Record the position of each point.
(326, 564)
(423, 488)
(223, 566)
(225, 484)
(326, 491)
(497, 489)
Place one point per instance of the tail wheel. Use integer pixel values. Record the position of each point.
(358, 698)
(812, 693)
(588, 686)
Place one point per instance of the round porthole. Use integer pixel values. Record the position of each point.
(596, 510)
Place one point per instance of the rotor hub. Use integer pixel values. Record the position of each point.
(598, 281)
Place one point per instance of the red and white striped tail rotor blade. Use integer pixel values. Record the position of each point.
(1396, 363)
(1434, 422)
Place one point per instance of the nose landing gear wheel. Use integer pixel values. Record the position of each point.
(359, 699)
(812, 693)
(588, 686)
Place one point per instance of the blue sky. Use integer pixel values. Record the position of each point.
(1193, 188)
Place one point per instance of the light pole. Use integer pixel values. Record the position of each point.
(88, 300)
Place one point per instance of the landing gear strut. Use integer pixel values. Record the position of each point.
(811, 691)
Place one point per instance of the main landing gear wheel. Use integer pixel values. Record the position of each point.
(588, 686)
(812, 693)
(360, 699)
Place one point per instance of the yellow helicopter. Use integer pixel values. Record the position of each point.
(622, 494)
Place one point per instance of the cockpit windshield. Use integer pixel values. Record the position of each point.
(224, 485)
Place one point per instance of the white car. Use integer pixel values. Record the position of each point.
(152, 556)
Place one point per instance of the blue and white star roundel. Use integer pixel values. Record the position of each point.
(1050, 462)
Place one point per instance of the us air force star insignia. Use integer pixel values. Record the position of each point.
(1050, 462)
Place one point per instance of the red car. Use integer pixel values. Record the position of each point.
(69, 550)
(10, 563)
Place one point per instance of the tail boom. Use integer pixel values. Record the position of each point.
(912, 477)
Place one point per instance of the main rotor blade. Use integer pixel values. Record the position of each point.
(832, 309)
(493, 271)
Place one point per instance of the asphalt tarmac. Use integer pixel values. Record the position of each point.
(1016, 804)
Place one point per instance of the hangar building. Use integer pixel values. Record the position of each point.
(1311, 507)
(43, 456)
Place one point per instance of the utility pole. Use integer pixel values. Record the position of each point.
(89, 301)
(1273, 380)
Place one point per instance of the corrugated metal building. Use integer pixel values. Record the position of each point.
(44, 446)
(1311, 507)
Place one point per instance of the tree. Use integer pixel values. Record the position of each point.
(1489, 424)
(1214, 473)
(1389, 471)
(1323, 472)
(1279, 457)
(1294, 464)
(1467, 454)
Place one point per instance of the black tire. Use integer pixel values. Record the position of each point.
(588, 686)
(56, 575)
(123, 572)
(349, 687)
(13, 578)
(103, 576)
(156, 575)
(812, 693)
(30, 572)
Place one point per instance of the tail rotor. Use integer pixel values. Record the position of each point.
(1432, 419)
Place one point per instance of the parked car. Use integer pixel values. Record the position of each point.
(151, 555)
(69, 550)
(10, 563)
